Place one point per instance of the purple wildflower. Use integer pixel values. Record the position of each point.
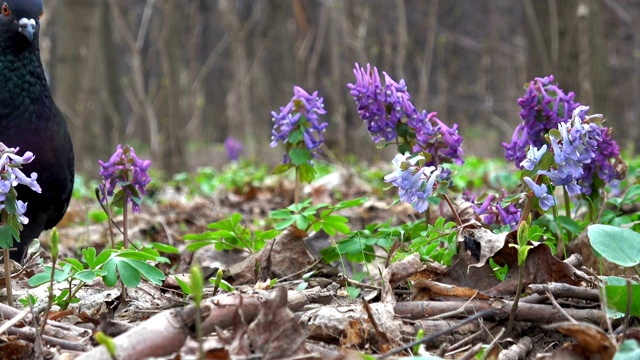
(491, 211)
(385, 107)
(447, 147)
(233, 148)
(544, 106)
(125, 169)
(301, 113)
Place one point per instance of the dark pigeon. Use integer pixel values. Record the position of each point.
(30, 120)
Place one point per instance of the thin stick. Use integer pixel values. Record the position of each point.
(453, 210)
(464, 322)
(557, 306)
(7, 276)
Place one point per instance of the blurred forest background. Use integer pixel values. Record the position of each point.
(174, 78)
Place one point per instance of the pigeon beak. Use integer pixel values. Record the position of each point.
(27, 27)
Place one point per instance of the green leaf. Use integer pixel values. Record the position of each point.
(39, 279)
(617, 298)
(129, 275)
(86, 275)
(302, 222)
(165, 248)
(75, 264)
(628, 350)
(307, 173)
(111, 277)
(618, 245)
(150, 272)
(295, 136)
(103, 257)
(89, 255)
(6, 237)
(284, 224)
(300, 156)
(404, 148)
(631, 196)
(98, 216)
(183, 285)
(282, 168)
(280, 214)
(546, 161)
(197, 282)
(350, 203)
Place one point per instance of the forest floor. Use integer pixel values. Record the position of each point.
(288, 304)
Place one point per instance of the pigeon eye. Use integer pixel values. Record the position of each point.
(41, 15)
(5, 10)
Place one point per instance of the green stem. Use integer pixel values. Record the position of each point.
(560, 248)
(567, 202)
(567, 209)
(514, 307)
(296, 194)
(125, 240)
(50, 298)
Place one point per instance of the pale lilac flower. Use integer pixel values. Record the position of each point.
(540, 191)
(11, 176)
(533, 157)
(415, 183)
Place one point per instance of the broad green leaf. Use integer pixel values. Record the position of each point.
(282, 168)
(89, 255)
(86, 275)
(628, 350)
(617, 298)
(150, 272)
(183, 285)
(129, 275)
(618, 245)
(165, 248)
(307, 173)
(295, 136)
(280, 214)
(300, 156)
(284, 224)
(75, 264)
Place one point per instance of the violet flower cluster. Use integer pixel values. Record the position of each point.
(299, 121)
(415, 183)
(544, 106)
(233, 148)
(125, 169)
(388, 111)
(491, 212)
(574, 144)
(11, 176)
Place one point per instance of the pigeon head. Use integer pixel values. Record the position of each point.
(20, 22)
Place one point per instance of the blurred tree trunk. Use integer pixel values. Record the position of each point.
(238, 103)
(172, 119)
(82, 78)
(566, 38)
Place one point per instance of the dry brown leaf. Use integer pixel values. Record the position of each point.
(591, 338)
